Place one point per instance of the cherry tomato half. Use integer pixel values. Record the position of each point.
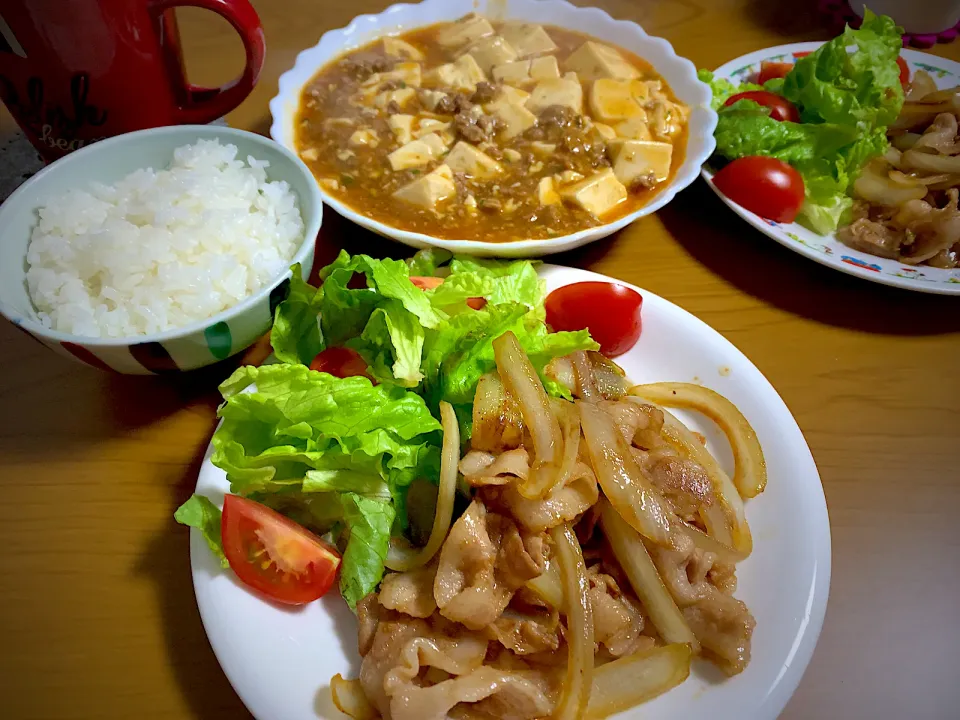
(274, 555)
(610, 312)
(771, 70)
(340, 362)
(801, 54)
(780, 108)
(904, 71)
(764, 185)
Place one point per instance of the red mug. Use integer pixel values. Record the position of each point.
(76, 71)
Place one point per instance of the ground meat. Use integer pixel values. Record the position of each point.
(490, 205)
(484, 93)
(393, 107)
(460, 182)
(579, 151)
(392, 84)
(445, 105)
(551, 214)
(362, 69)
(493, 151)
(462, 104)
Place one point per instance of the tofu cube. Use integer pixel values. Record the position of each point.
(469, 160)
(544, 68)
(605, 131)
(547, 191)
(401, 48)
(417, 152)
(430, 125)
(633, 129)
(402, 126)
(364, 137)
(528, 39)
(466, 30)
(593, 61)
(637, 161)
(514, 117)
(558, 91)
(612, 100)
(513, 73)
(513, 95)
(491, 51)
(401, 97)
(463, 74)
(430, 190)
(597, 194)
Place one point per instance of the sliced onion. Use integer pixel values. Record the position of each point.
(350, 699)
(622, 480)
(892, 155)
(634, 679)
(561, 370)
(898, 177)
(906, 141)
(521, 381)
(497, 424)
(402, 559)
(570, 430)
(633, 557)
(549, 585)
(931, 162)
(582, 368)
(879, 189)
(579, 611)
(936, 96)
(750, 474)
(921, 85)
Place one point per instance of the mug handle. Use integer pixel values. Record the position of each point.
(204, 105)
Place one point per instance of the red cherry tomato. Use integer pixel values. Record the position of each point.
(904, 71)
(274, 555)
(341, 362)
(764, 185)
(801, 54)
(771, 70)
(610, 312)
(780, 108)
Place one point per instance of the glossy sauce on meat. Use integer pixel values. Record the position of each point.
(483, 140)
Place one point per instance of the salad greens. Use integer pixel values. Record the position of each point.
(846, 100)
(337, 454)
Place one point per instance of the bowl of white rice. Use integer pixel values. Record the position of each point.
(160, 250)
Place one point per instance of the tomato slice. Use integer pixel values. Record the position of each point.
(341, 362)
(274, 555)
(904, 71)
(425, 282)
(764, 185)
(609, 311)
(801, 54)
(771, 70)
(780, 108)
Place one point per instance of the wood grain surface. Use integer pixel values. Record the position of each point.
(97, 612)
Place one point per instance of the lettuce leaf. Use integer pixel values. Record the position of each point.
(198, 512)
(369, 522)
(296, 336)
(846, 99)
(860, 89)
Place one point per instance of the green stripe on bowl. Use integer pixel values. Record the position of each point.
(219, 340)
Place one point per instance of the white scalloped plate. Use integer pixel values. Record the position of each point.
(280, 661)
(679, 72)
(826, 249)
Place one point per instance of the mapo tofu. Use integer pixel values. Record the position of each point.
(491, 131)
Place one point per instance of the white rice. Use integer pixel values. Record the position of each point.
(162, 249)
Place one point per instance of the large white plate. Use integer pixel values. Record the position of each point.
(679, 72)
(280, 661)
(826, 249)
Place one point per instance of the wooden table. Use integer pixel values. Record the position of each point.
(97, 612)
